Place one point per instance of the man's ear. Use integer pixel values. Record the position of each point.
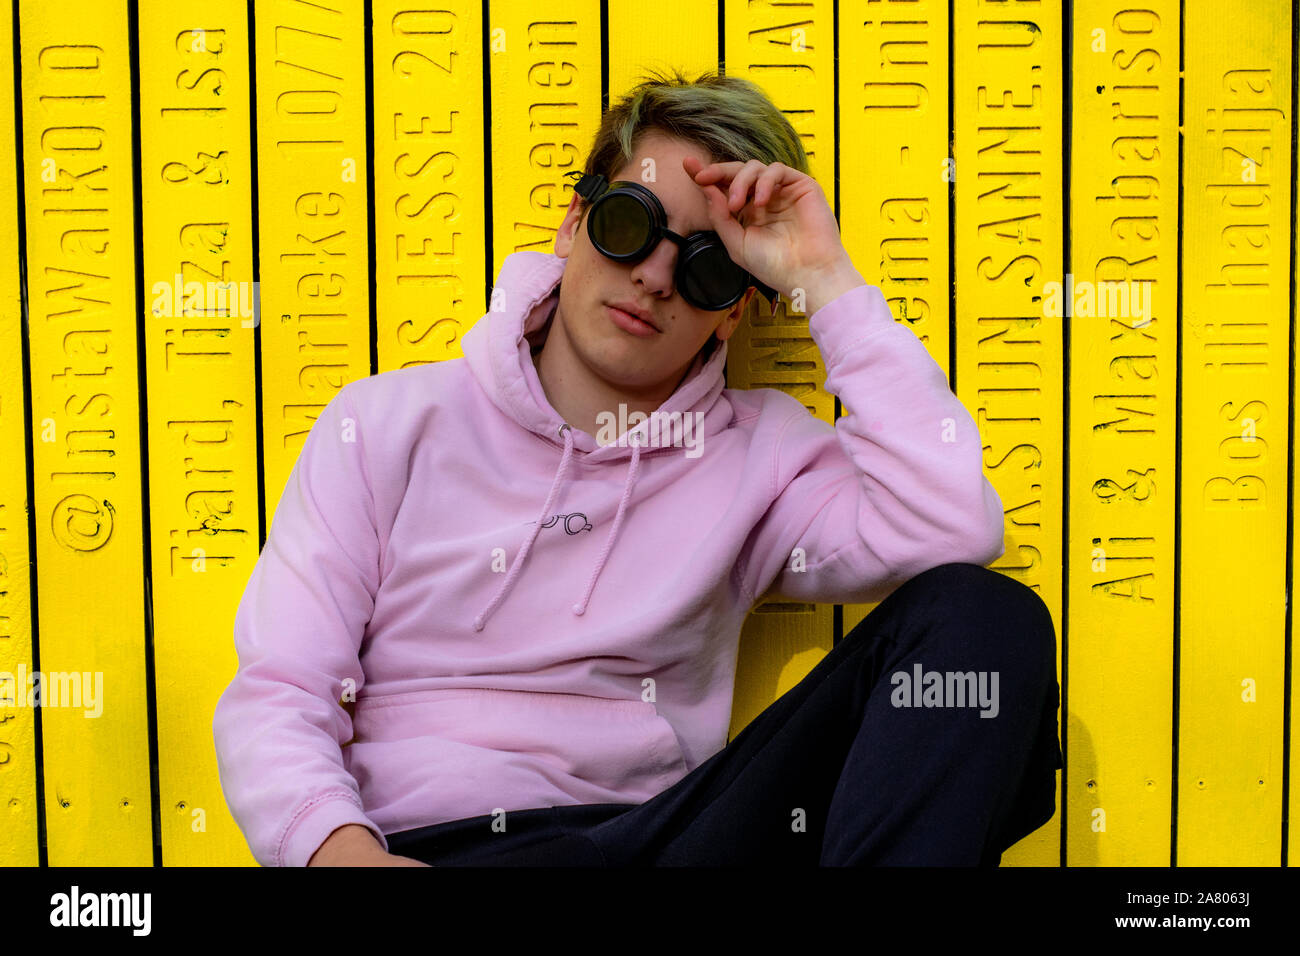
(732, 320)
(565, 235)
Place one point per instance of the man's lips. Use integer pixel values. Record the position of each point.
(636, 312)
(630, 321)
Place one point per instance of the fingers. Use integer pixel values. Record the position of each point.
(768, 183)
(709, 173)
(724, 224)
(719, 173)
(740, 183)
(737, 179)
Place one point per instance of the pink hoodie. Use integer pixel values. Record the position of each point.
(525, 618)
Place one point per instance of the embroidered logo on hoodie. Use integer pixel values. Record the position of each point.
(575, 523)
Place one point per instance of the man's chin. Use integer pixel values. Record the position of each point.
(627, 373)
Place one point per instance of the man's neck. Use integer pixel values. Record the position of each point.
(580, 397)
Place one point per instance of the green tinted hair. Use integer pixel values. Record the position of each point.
(729, 117)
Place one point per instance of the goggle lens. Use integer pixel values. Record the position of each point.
(712, 277)
(621, 224)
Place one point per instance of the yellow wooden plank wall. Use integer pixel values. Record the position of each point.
(1123, 432)
(85, 434)
(197, 206)
(18, 797)
(227, 213)
(1234, 417)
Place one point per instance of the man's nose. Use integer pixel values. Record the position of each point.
(657, 269)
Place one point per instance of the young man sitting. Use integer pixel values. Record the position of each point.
(496, 619)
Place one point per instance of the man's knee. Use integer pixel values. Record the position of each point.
(1004, 619)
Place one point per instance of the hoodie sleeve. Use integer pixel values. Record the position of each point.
(894, 488)
(280, 725)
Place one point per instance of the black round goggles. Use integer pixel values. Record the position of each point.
(626, 222)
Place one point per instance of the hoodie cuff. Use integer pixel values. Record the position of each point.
(314, 825)
(848, 320)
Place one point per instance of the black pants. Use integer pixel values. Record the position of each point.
(838, 771)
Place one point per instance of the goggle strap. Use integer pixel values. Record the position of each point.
(589, 185)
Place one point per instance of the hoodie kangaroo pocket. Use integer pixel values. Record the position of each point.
(623, 746)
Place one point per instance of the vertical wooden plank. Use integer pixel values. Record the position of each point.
(1123, 419)
(895, 168)
(430, 180)
(790, 54)
(1292, 846)
(1234, 419)
(197, 211)
(78, 169)
(669, 34)
(18, 837)
(545, 75)
(1007, 94)
(313, 218)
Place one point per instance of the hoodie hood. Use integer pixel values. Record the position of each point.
(498, 350)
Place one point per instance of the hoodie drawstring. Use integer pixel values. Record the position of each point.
(518, 562)
(516, 566)
(581, 606)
